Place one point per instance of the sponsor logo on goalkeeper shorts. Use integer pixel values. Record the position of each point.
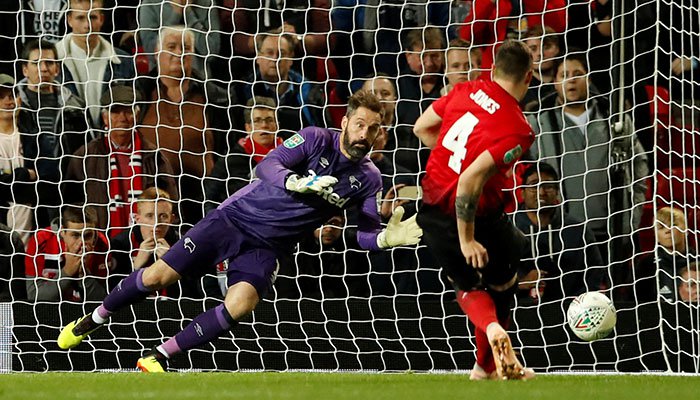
(294, 141)
(189, 245)
(324, 162)
(333, 198)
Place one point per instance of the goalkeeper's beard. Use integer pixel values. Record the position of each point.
(356, 153)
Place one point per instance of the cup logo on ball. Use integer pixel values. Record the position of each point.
(591, 316)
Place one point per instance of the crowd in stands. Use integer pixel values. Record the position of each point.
(124, 122)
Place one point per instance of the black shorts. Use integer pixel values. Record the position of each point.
(504, 243)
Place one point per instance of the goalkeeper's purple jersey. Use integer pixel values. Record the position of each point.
(278, 217)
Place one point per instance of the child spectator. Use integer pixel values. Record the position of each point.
(463, 63)
(148, 239)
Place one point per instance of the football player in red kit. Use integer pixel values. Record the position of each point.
(476, 133)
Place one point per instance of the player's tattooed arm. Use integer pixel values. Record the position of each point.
(465, 206)
(469, 188)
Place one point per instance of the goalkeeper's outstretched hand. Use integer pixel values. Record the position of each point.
(400, 233)
(309, 184)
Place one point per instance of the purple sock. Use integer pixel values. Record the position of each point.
(203, 329)
(129, 291)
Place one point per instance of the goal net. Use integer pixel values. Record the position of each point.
(617, 123)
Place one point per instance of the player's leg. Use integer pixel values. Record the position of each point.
(478, 305)
(440, 234)
(484, 367)
(250, 275)
(505, 244)
(130, 290)
(240, 301)
(207, 243)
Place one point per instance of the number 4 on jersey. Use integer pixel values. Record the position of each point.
(455, 140)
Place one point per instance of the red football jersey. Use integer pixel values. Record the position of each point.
(477, 116)
(45, 254)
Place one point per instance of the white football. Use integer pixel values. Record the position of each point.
(591, 316)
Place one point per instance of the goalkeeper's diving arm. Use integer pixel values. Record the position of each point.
(397, 232)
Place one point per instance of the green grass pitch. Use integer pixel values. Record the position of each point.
(339, 386)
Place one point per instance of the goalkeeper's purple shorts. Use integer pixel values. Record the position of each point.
(214, 240)
(504, 243)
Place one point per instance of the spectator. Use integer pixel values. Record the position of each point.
(12, 287)
(463, 63)
(15, 197)
(382, 85)
(544, 46)
(237, 169)
(150, 236)
(590, 27)
(182, 116)
(43, 20)
(419, 85)
(688, 285)
(69, 263)
(673, 253)
(382, 27)
(308, 20)
(323, 267)
(275, 78)
(560, 263)
(200, 16)
(90, 62)
(394, 176)
(111, 172)
(52, 123)
(385, 89)
(490, 22)
(602, 170)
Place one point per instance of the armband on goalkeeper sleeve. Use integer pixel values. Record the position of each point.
(400, 233)
(309, 184)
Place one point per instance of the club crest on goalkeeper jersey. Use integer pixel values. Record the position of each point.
(477, 116)
(278, 217)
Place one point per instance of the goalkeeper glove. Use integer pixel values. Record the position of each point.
(309, 184)
(399, 233)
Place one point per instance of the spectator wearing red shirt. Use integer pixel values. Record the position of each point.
(69, 263)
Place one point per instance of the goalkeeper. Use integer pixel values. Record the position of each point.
(313, 176)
